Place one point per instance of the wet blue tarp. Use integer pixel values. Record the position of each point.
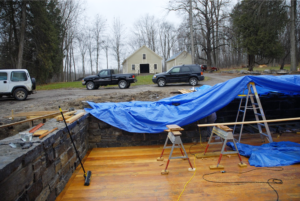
(271, 154)
(183, 109)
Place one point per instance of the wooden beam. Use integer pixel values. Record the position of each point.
(32, 113)
(59, 117)
(29, 120)
(74, 118)
(45, 134)
(249, 122)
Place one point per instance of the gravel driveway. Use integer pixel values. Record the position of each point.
(66, 98)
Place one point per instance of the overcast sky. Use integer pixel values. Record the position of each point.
(129, 11)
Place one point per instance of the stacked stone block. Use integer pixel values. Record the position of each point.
(41, 172)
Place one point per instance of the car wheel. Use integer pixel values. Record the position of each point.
(20, 94)
(122, 84)
(128, 85)
(161, 82)
(90, 85)
(193, 81)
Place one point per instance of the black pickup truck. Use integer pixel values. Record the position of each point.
(107, 77)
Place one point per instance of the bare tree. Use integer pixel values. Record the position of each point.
(99, 28)
(106, 49)
(90, 47)
(117, 41)
(167, 40)
(82, 48)
(208, 16)
(145, 33)
(70, 13)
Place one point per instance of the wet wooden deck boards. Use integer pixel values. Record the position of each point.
(132, 173)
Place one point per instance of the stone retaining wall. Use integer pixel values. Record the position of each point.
(102, 134)
(41, 171)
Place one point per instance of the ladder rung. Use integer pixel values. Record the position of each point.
(252, 108)
(241, 110)
(254, 103)
(262, 125)
(264, 134)
(258, 114)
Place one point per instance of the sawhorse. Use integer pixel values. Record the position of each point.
(174, 136)
(225, 133)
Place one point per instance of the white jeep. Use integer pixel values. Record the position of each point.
(16, 83)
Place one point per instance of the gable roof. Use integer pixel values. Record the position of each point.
(139, 50)
(174, 56)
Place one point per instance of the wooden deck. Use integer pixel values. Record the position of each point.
(132, 173)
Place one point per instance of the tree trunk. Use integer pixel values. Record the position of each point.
(293, 37)
(83, 69)
(91, 62)
(74, 62)
(22, 36)
(283, 61)
(192, 32)
(97, 58)
(106, 57)
(251, 62)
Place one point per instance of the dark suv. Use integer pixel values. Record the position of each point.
(185, 73)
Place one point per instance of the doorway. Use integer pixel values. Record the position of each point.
(144, 68)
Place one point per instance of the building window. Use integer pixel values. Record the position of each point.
(133, 67)
(144, 56)
(155, 66)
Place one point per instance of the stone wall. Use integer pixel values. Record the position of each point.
(41, 171)
(105, 135)
(275, 106)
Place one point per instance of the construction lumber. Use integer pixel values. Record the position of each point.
(74, 118)
(31, 117)
(36, 128)
(45, 134)
(59, 117)
(66, 117)
(29, 120)
(174, 127)
(39, 133)
(249, 122)
(33, 113)
(185, 91)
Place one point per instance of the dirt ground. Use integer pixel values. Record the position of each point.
(48, 100)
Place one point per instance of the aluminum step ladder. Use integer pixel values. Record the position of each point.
(257, 109)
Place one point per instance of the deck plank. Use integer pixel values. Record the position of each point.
(132, 173)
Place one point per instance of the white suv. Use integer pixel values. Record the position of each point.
(16, 83)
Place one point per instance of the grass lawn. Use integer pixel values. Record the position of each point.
(142, 80)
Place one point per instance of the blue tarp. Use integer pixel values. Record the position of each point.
(183, 109)
(271, 154)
